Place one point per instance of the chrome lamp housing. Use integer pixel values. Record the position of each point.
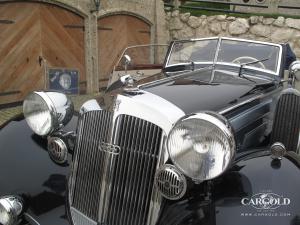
(202, 145)
(11, 208)
(294, 71)
(47, 112)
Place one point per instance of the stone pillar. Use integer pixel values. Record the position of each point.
(91, 54)
(161, 32)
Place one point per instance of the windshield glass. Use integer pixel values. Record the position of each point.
(196, 51)
(242, 52)
(257, 55)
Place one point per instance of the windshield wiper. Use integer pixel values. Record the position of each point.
(184, 64)
(250, 63)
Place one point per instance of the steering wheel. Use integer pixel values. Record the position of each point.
(183, 58)
(248, 59)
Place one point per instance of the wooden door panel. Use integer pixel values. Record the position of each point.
(18, 54)
(62, 46)
(115, 33)
(74, 25)
(18, 62)
(38, 30)
(18, 46)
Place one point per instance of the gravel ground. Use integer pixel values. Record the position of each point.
(9, 113)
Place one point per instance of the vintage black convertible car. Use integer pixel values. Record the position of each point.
(211, 140)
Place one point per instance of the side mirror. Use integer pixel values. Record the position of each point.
(294, 72)
(126, 62)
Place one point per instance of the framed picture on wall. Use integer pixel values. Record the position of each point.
(65, 80)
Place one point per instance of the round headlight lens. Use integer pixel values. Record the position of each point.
(11, 208)
(5, 218)
(297, 75)
(46, 112)
(38, 114)
(201, 146)
(294, 70)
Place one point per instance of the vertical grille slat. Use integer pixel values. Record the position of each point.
(135, 162)
(130, 173)
(89, 160)
(99, 164)
(147, 151)
(152, 166)
(123, 136)
(88, 171)
(138, 179)
(140, 166)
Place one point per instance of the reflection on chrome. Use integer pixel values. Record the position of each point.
(202, 146)
(47, 112)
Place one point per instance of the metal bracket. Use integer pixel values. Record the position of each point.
(7, 21)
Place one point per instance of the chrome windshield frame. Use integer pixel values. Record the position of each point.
(137, 46)
(215, 62)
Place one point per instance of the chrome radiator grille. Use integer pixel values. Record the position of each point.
(134, 171)
(89, 162)
(130, 176)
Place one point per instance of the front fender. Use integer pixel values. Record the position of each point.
(236, 196)
(27, 170)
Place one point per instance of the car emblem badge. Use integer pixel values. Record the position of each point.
(109, 148)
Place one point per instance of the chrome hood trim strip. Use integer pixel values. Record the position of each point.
(257, 97)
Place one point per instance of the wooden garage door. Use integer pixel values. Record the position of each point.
(34, 37)
(115, 34)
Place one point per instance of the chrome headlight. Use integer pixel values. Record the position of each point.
(46, 112)
(11, 208)
(294, 70)
(202, 146)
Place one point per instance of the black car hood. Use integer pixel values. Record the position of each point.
(197, 91)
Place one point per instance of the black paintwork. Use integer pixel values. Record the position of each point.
(43, 183)
(26, 169)
(255, 173)
(33, 174)
(216, 89)
(194, 92)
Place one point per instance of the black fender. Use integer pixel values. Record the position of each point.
(234, 197)
(27, 170)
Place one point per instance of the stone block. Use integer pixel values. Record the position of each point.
(239, 26)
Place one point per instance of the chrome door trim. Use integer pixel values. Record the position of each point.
(250, 115)
(257, 97)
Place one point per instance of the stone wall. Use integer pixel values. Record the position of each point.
(280, 30)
